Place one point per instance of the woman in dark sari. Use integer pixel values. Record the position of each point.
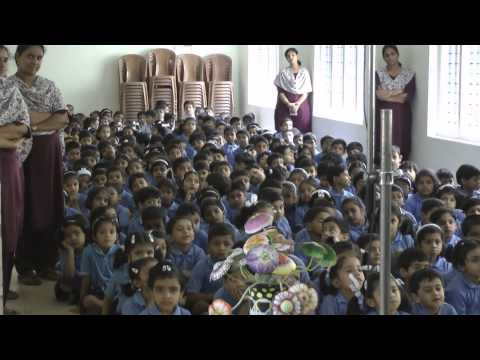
(294, 85)
(44, 205)
(395, 89)
(15, 145)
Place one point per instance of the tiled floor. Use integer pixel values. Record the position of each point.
(38, 300)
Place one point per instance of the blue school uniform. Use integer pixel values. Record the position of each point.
(340, 196)
(317, 158)
(230, 213)
(60, 266)
(463, 295)
(69, 211)
(123, 215)
(200, 282)
(229, 150)
(290, 215)
(414, 205)
(333, 305)
(98, 265)
(409, 216)
(445, 309)
(442, 265)
(284, 227)
(190, 151)
(225, 295)
(255, 189)
(185, 261)
(134, 304)
(401, 242)
(454, 239)
(136, 224)
(304, 276)
(82, 201)
(172, 209)
(357, 231)
(153, 310)
(300, 212)
(126, 199)
(119, 278)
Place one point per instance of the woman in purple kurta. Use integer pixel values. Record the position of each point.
(395, 89)
(44, 205)
(15, 145)
(294, 85)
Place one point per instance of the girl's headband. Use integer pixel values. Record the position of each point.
(435, 226)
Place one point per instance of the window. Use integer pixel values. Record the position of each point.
(338, 82)
(454, 92)
(262, 70)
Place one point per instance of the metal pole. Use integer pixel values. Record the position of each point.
(386, 182)
(371, 117)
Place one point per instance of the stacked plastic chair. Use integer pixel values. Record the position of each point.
(162, 78)
(133, 85)
(190, 79)
(218, 75)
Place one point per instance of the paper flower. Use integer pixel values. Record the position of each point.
(308, 297)
(323, 253)
(286, 303)
(254, 241)
(285, 265)
(262, 259)
(219, 307)
(220, 268)
(258, 222)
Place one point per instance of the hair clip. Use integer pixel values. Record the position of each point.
(435, 226)
(135, 270)
(133, 240)
(150, 236)
(166, 267)
(365, 285)
(444, 186)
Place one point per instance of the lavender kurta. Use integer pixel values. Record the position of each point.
(402, 113)
(293, 92)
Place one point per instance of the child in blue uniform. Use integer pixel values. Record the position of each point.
(339, 180)
(445, 218)
(354, 212)
(167, 286)
(410, 261)
(146, 197)
(399, 240)
(426, 183)
(430, 240)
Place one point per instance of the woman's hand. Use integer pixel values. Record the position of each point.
(6, 143)
(14, 131)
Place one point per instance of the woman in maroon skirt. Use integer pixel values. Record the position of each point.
(294, 85)
(44, 205)
(395, 89)
(15, 145)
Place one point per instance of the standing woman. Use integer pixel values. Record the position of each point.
(15, 145)
(395, 89)
(294, 85)
(43, 169)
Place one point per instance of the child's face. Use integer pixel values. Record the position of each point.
(245, 180)
(431, 245)
(122, 163)
(91, 161)
(189, 127)
(106, 235)
(198, 144)
(288, 156)
(290, 198)
(338, 149)
(411, 173)
(252, 152)
(257, 176)
(220, 246)
(327, 144)
(161, 246)
(140, 251)
(167, 195)
(332, 230)
(398, 199)
(310, 144)
(104, 133)
(183, 233)
(311, 170)
(448, 225)
(394, 299)
(167, 293)
(396, 160)
(425, 216)
(189, 109)
(83, 181)
(353, 266)
(203, 174)
(279, 209)
(230, 137)
(141, 282)
(135, 168)
(154, 224)
(449, 200)
(115, 179)
(394, 224)
(261, 147)
(305, 192)
(425, 186)
(109, 152)
(413, 268)
(343, 180)
(74, 155)
(324, 183)
(191, 183)
(431, 294)
(214, 215)
(114, 198)
(71, 186)
(473, 210)
(236, 199)
(235, 284)
(102, 199)
(472, 184)
(151, 202)
(472, 265)
(316, 226)
(130, 152)
(74, 236)
(182, 169)
(225, 170)
(374, 253)
(87, 140)
(355, 215)
(138, 184)
(242, 140)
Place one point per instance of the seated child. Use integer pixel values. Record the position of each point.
(234, 286)
(425, 185)
(445, 218)
(430, 240)
(230, 146)
(136, 182)
(193, 212)
(123, 213)
(146, 197)
(168, 192)
(354, 212)
(116, 179)
(339, 179)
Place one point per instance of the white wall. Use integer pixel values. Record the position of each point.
(88, 74)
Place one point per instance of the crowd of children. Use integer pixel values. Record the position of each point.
(152, 204)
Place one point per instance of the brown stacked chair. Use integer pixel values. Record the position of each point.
(133, 85)
(218, 75)
(190, 79)
(162, 78)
